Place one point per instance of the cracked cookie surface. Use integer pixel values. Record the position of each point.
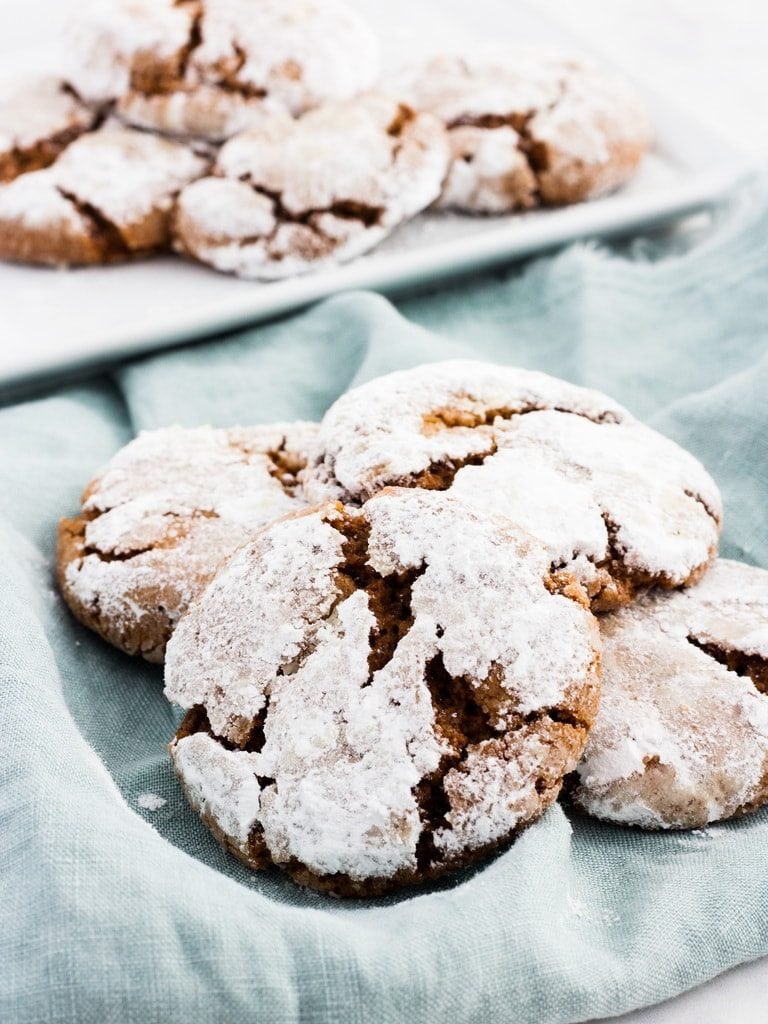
(298, 195)
(106, 198)
(681, 738)
(379, 696)
(38, 119)
(211, 68)
(529, 129)
(164, 514)
(615, 503)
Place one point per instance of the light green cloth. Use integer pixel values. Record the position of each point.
(113, 913)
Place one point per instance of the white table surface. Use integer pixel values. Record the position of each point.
(711, 56)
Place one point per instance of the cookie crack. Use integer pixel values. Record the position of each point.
(42, 154)
(283, 465)
(127, 554)
(403, 119)
(389, 597)
(614, 581)
(749, 666)
(102, 230)
(450, 417)
(195, 36)
(440, 475)
(196, 721)
(228, 79)
(404, 116)
(153, 76)
(699, 499)
(462, 722)
(533, 150)
(343, 209)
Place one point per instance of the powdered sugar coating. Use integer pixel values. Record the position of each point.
(103, 42)
(680, 740)
(281, 646)
(38, 117)
(34, 201)
(107, 196)
(208, 113)
(126, 174)
(296, 195)
(166, 512)
(211, 68)
(529, 127)
(592, 486)
(224, 783)
(612, 501)
(396, 426)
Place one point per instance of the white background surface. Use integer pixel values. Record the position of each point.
(711, 56)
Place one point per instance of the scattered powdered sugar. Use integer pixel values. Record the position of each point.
(151, 801)
(292, 195)
(280, 643)
(680, 740)
(583, 911)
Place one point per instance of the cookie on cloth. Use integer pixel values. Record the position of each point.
(108, 197)
(295, 196)
(681, 738)
(212, 68)
(159, 520)
(615, 503)
(379, 696)
(38, 119)
(530, 128)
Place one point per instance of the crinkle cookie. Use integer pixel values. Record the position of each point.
(108, 197)
(615, 503)
(681, 738)
(163, 515)
(38, 119)
(211, 68)
(529, 129)
(324, 189)
(380, 696)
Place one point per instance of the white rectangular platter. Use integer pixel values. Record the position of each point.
(59, 322)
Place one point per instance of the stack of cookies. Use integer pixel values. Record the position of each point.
(257, 136)
(400, 633)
